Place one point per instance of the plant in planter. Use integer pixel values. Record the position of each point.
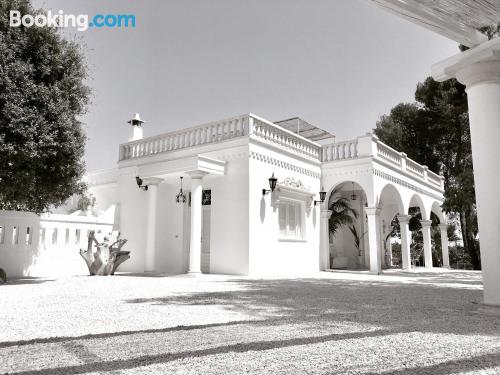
(3, 276)
(107, 255)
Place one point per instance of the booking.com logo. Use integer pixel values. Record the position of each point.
(80, 22)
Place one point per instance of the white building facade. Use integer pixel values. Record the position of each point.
(229, 225)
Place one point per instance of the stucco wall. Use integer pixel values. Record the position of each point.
(229, 218)
(269, 254)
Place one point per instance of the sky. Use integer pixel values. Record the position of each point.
(338, 64)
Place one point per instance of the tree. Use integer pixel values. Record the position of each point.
(434, 131)
(342, 212)
(42, 95)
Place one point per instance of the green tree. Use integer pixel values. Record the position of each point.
(42, 95)
(434, 131)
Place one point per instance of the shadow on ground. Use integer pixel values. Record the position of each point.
(421, 303)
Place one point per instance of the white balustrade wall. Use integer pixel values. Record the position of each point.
(379, 150)
(46, 246)
(264, 131)
(242, 126)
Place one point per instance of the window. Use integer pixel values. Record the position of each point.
(290, 217)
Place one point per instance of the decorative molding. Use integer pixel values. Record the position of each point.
(297, 184)
(388, 177)
(282, 164)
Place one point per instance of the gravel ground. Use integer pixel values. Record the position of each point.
(329, 323)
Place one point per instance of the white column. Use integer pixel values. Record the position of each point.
(150, 254)
(426, 234)
(444, 244)
(373, 215)
(389, 252)
(483, 92)
(196, 216)
(324, 240)
(405, 241)
(382, 245)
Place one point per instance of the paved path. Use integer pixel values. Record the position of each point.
(329, 323)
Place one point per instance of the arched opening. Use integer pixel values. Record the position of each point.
(347, 233)
(391, 205)
(416, 210)
(425, 233)
(441, 233)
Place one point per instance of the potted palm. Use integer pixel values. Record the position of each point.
(342, 214)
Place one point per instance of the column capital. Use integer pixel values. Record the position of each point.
(476, 65)
(197, 175)
(426, 223)
(405, 219)
(443, 226)
(325, 214)
(482, 72)
(372, 210)
(152, 181)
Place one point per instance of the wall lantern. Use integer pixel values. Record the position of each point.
(322, 196)
(139, 183)
(272, 185)
(353, 195)
(181, 196)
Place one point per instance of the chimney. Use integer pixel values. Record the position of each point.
(136, 131)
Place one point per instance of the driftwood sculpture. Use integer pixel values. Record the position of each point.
(107, 255)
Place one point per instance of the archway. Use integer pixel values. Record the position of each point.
(391, 206)
(347, 234)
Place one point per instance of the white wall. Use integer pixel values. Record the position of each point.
(133, 216)
(18, 254)
(54, 248)
(269, 254)
(229, 217)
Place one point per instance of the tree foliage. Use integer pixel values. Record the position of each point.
(42, 95)
(434, 131)
(342, 212)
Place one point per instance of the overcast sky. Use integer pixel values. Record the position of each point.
(339, 64)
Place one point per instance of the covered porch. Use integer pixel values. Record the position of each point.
(373, 192)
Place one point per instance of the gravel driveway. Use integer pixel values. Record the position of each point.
(328, 323)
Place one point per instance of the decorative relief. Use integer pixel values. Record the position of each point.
(282, 164)
(291, 182)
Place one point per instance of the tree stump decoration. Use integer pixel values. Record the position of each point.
(107, 255)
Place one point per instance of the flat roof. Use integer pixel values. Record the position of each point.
(303, 128)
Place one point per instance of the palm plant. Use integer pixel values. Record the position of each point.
(342, 212)
(357, 238)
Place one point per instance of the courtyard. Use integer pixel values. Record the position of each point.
(418, 322)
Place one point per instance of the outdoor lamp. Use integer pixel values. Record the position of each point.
(181, 196)
(353, 195)
(139, 183)
(272, 185)
(322, 196)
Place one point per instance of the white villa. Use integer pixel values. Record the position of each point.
(232, 216)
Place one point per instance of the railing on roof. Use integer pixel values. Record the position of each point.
(214, 132)
(370, 146)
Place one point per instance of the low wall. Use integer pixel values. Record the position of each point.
(46, 246)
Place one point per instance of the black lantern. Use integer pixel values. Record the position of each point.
(272, 185)
(139, 183)
(322, 196)
(181, 196)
